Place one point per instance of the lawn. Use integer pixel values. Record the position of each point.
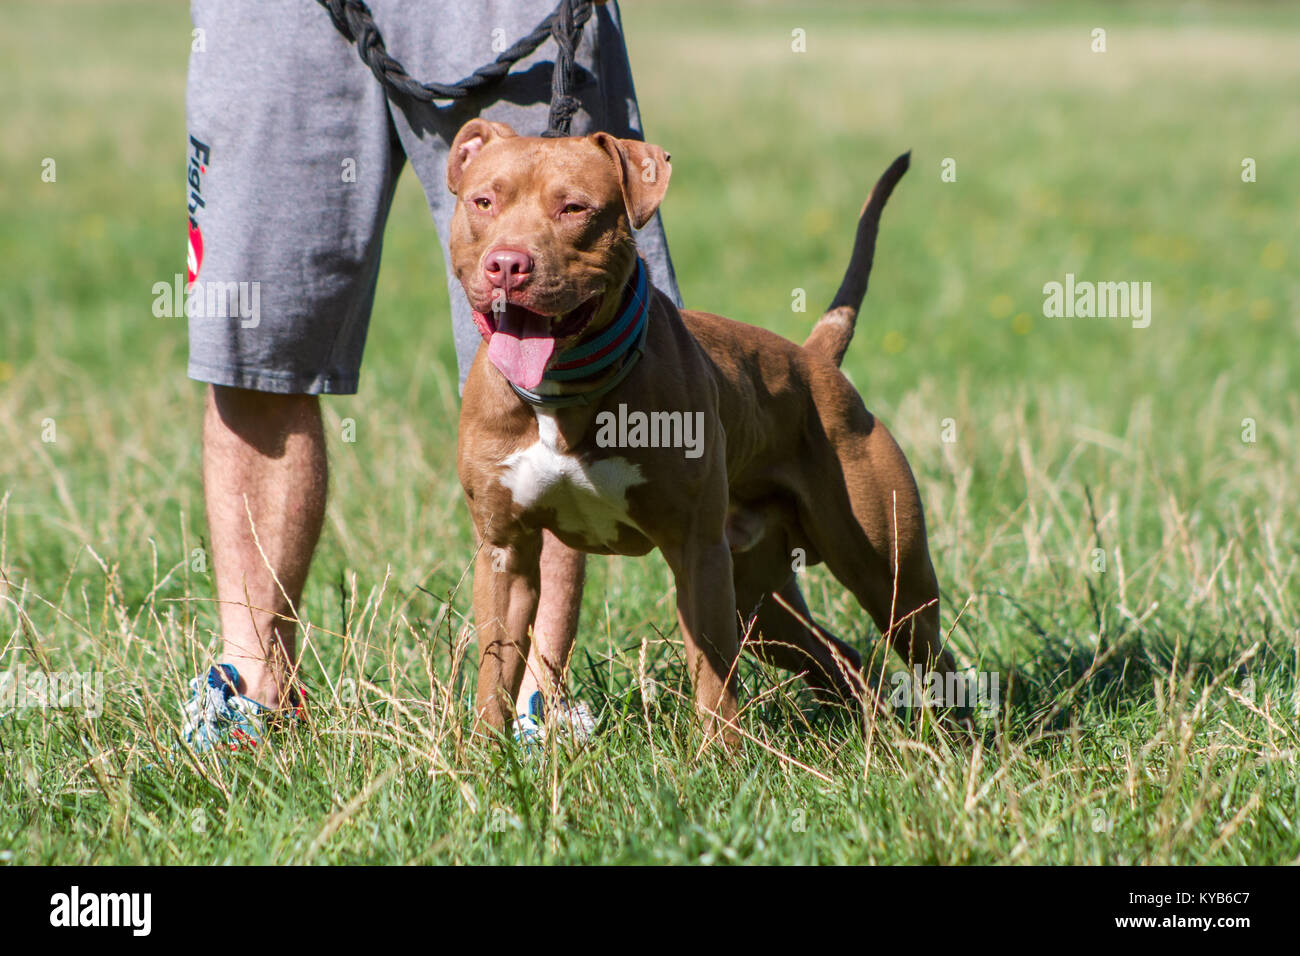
(1112, 509)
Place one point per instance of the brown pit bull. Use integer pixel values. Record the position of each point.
(599, 411)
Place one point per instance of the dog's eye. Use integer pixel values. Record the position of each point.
(573, 208)
(483, 203)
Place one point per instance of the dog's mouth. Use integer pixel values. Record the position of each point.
(521, 342)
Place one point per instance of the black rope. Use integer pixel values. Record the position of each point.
(354, 20)
(563, 103)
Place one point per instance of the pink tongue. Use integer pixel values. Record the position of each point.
(521, 347)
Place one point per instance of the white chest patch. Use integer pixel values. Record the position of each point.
(589, 499)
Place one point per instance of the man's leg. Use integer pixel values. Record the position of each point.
(290, 174)
(264, 472)
(563, 570)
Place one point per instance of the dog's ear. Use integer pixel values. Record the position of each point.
(473, 136)
(643, 172)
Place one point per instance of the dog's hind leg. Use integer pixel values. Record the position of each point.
(870, 530)
(903, 600)
(784, 633)
(782, 636)
(888, 570)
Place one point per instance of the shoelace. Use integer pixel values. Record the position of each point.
(571, 719)
(209, 703)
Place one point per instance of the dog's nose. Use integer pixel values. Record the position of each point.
(508, 268)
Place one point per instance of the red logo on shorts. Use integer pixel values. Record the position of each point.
(194, 261)
(200, 156)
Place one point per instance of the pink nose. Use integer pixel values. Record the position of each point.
(508, 268)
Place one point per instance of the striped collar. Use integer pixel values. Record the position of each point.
(620, 341)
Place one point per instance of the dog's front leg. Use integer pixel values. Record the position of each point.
(706, 610)
(507, 581)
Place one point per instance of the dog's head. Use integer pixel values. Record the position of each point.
(541, 239)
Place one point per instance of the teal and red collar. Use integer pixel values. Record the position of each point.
(620, 341)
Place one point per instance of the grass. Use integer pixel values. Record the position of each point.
(1148, 710)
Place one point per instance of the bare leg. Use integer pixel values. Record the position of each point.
(269, 450)
(556, 625)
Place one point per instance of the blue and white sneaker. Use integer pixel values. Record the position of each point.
(573, 721)
(219, 717)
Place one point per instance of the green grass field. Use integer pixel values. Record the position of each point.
(1148, 710)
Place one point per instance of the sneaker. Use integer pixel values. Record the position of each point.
(219, 717)
(570, 720)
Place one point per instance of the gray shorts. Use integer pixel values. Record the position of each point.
(294, 152)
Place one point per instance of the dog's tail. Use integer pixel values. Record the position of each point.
(834, 330)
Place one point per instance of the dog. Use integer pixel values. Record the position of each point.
(784, 463)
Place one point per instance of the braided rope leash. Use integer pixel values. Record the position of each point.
(355, 21)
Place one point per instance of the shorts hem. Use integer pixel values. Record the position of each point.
(279, 383)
